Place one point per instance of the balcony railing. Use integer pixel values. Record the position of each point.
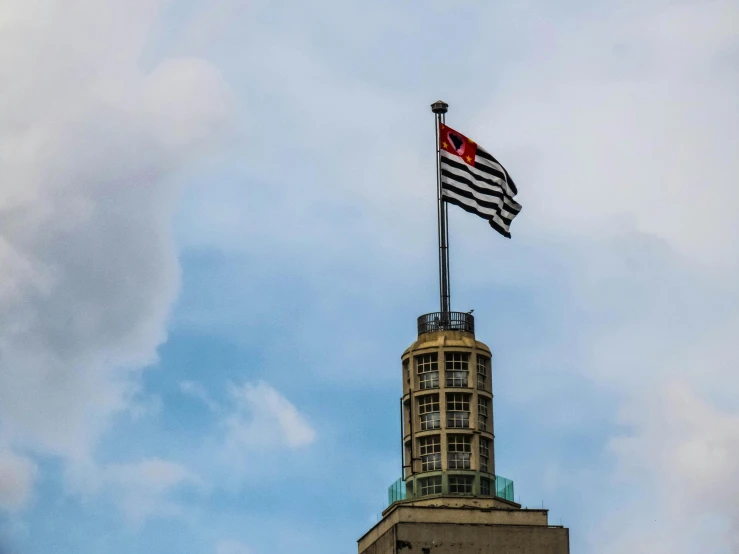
(503, 489)
(396, 492)
(446, 321)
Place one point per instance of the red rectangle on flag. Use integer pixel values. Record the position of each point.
(458, 144)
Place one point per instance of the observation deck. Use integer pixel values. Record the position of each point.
(446, 321)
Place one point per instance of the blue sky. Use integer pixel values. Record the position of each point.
(217, 227)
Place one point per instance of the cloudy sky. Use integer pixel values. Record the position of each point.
(217, 227)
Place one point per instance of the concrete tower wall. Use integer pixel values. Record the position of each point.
(451, 371)
(459, 538)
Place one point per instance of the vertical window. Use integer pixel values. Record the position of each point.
(483, 364)
(484, 455)
(427, 366)
(459, 450)
(430, 448)
(406, 372)
(457, 410)
(482, 413)
(485, 486)
(428, 408)
(456, 369)
(460, 484)
(430, 485)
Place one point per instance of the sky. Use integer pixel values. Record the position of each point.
(217, 227)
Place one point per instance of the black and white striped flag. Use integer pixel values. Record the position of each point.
(475, 181)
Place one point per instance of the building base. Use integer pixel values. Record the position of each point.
(450, 525)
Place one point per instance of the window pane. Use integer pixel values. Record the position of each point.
(430, 450)
(485, 487)
(456, 361)
(459, 449)
(460, 485)
(428, 403)
(458, 401)
(428, 408)
(456, 366)
(456, 378)
(484, 455)
(458, 410)
(430, 485)
(482, 414)
(458, 420)
(427, 362)
(483, 364)
(429, 380)
(430, 421)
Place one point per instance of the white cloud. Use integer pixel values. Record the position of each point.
(254, 426)
(683, 454)
(629, 124)
(195, 390)
(616, 122)
(263, 418)
(141, 490)
(17, 475)
(92, 143)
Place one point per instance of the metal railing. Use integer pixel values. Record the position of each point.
(446, 321)
(503, 489)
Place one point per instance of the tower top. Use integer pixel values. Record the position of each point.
(439, 107)
(446, 321)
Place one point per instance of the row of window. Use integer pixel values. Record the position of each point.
(456, 366)
(458, 484)
(459, 451)
(457, 411)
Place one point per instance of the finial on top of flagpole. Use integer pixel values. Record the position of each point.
(439, 107)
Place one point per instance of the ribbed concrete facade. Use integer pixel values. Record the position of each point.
(448, 416)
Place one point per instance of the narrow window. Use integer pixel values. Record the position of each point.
(430, 485)
(427, 366)
(456, 369)
(457, 410)
(406, 372)
(428, 408)
(485, 486)
(460, 484)
(459, 450)
(484, 455)
(430, 449)
(482, 413)
(483, 364)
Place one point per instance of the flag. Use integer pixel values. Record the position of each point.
(474, 180)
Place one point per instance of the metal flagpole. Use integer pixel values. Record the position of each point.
(440, 108)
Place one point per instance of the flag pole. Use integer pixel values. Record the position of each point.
(439, 108)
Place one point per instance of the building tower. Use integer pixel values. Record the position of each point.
(447, 411)
(448, 499)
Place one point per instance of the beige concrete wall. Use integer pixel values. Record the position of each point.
(449, 538)
(441, 342)
(425, 538)
(477, 517)
(436, 515)
(385, 544)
